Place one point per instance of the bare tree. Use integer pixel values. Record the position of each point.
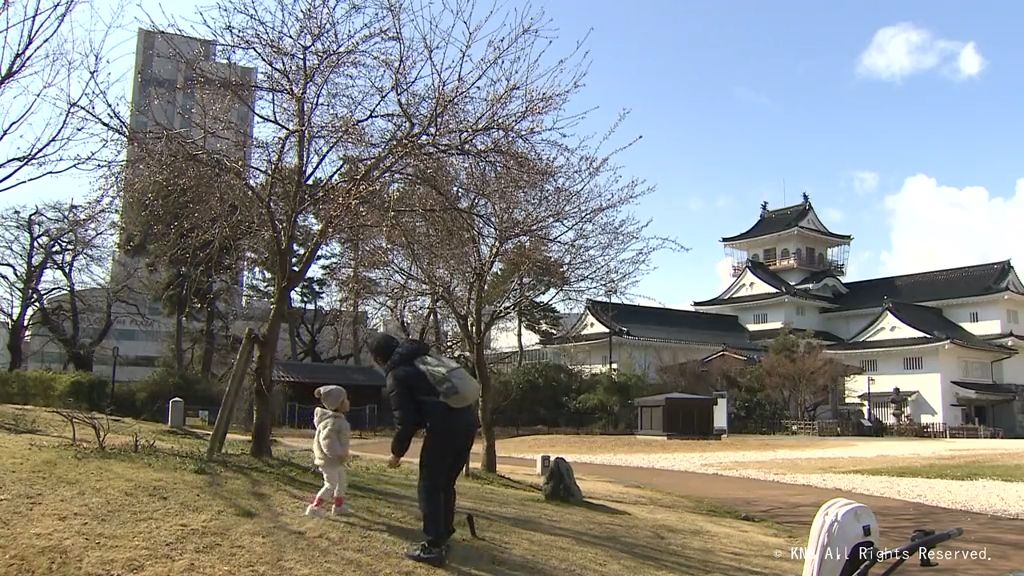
(51, 73)
(350, 97)
(548, 224)
(27, 244)
(75, 301)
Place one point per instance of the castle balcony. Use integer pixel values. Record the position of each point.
(831, 260)
(792, 263)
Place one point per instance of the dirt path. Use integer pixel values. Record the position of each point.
(794, 506)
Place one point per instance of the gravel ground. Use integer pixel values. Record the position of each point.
(980, 496)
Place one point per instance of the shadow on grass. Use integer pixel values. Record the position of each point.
(489, 500)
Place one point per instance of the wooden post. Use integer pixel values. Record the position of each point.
(227, 407)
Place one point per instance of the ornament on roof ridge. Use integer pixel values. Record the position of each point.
(764, 208)
(807, 199)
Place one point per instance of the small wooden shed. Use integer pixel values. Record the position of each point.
(676, 415)
(364, 385)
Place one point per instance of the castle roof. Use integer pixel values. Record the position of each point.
(796, 217)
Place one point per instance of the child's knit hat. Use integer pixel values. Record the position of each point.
(331, 396)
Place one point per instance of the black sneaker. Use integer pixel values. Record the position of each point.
(427, 554)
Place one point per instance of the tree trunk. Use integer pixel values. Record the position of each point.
(519, 340)
(16, 337)
(489, 461)
(263, 387)
(209, 340)
(179, 335)
(293, 331)
(81, 361)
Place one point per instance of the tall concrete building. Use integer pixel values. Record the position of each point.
(181, 93)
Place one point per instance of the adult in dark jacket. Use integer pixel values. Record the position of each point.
(449, 437)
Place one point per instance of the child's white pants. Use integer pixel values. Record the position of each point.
(335, 482)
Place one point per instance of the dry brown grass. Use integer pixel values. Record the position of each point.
(70, 510)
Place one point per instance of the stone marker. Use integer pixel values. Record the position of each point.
(543, 464)
(176, 413)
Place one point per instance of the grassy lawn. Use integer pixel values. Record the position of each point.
(163, 510)
(1005, 471)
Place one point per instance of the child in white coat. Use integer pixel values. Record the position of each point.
(331, 449)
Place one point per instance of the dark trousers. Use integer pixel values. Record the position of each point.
(445, 451)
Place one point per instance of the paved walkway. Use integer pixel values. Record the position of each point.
(1002, 539)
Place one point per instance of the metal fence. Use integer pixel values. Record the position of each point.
(300, 416)
(857, 428)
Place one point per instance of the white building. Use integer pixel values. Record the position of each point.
(944, 338)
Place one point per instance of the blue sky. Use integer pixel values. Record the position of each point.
(902, 120)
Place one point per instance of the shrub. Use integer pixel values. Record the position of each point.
(148, 398)
(53, 389)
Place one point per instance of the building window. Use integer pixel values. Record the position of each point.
(755, 257)
(810, 255)
(974, 317)
(974, 370)
(798, 254)
(1013, 317)
(784, 254)
(870, 365)
(769, 255)
(760, 317)
(801, 311)
(913, 363)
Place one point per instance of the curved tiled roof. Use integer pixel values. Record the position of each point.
(781, 220)
(662, 325)
(762, 272)
(927, 320)
(934, 286)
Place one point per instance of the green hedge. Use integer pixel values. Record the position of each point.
(54, 389)
(148, 398)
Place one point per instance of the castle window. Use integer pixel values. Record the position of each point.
(755, 257)
(1012, 317)
(799, 255)
(974, 317)
(913, 363)
(821, 259)
(801, 311)
(760, 317)
(769, 255)
(784, 255)
(975, 370)
(870, 365)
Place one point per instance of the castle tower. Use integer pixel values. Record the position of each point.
(792, 242)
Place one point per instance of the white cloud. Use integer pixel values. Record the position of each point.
(905, 49)
(695, 204)
(970, 62)
(832, 216)
(863, 181)
(933, 226)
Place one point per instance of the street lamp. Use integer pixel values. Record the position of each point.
(870, 382)
(113, 375)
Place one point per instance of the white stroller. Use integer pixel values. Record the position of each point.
(844, 542)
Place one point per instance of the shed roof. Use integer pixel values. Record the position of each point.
(319, 374)
(658, 399)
